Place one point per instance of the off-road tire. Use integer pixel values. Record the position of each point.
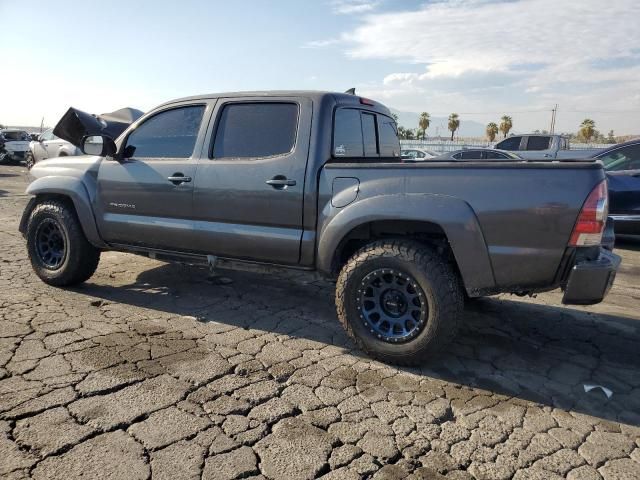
(29, 160)
(81, 258)
(437, 279)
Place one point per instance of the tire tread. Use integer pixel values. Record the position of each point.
(82, 257)
(445, 284)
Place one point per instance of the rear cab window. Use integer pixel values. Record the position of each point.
(363, 134)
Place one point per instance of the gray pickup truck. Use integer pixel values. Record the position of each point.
(314, 181)
(536, 146)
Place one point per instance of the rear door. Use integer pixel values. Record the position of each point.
(147, 198)
(249, 187)
(539, 146)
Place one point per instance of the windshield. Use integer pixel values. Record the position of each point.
(624, 158)
(12, 136)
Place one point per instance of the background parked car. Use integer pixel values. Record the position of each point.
(49, 146)
(478, 154)
(14, 145)
(622, 164)
(416, 154)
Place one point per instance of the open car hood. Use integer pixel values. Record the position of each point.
(76, 124)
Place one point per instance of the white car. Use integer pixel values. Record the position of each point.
(416, 154)
(13, 145)
(49, 146)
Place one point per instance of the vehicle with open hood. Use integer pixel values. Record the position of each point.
(314, 181)
(14, 144)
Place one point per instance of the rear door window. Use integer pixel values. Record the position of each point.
(255, 130)
(538, 143)
(491, 155)
(472, 155)
(511, 143)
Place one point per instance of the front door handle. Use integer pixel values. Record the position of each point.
(280, 182)
(178, 178)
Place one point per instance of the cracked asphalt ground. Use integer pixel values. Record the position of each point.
(154, 370)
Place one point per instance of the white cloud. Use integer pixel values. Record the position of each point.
(321, 43)
(583, 54)
(348, 7)
(470, 35)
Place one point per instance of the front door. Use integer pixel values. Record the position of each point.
(146, 199)
(40, 147)
(249, 190)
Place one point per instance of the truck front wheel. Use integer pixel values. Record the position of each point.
(399, 300)
(59, 252)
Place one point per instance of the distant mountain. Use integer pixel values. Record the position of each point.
(468, 128)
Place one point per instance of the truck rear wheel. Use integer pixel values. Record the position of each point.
(399, 300)
(60, 254)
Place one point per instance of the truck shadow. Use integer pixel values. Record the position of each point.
(533, 352)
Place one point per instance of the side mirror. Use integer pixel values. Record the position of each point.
(99, 145)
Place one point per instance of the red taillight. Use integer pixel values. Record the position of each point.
(366, 101)
(592, 218)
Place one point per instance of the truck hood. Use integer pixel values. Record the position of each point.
(66, 166)
(76, 124)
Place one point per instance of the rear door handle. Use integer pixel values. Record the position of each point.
(178, 178)
(280, 182)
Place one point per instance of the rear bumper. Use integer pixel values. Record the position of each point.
(589, 281)
(626, 224)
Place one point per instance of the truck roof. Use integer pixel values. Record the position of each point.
(343, 99)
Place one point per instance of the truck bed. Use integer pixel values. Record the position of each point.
(525, 210)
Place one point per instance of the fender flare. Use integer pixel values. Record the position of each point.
(455, 216)
(75, 190)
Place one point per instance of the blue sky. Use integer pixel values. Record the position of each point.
(479, 58)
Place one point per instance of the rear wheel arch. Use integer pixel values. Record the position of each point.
(448, 223)
(425, 232)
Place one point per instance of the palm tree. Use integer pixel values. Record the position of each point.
(424, 122)
(420, 134)
(492, 131)
(454, 124)
(587, 129)
(395, 117)
(505, 125)
(405, 133)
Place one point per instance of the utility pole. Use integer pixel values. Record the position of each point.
(553, 118)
